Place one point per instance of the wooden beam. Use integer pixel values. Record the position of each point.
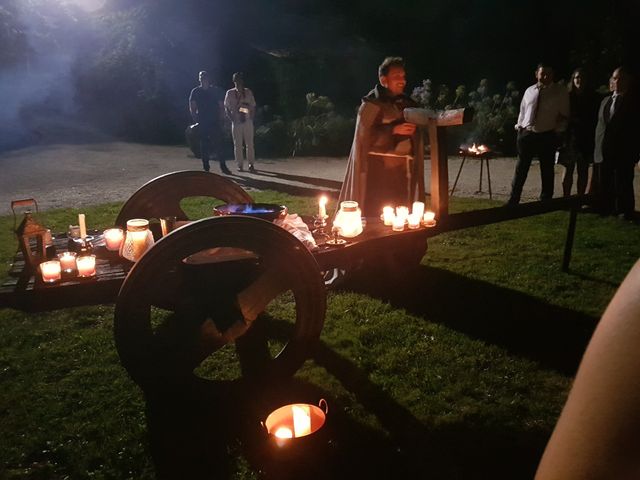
(439, 170)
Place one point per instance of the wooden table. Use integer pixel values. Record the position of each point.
(27, 292)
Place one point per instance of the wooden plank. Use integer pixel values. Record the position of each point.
(439, 170)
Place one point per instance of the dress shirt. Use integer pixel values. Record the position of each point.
(544, 108)
(233, 100)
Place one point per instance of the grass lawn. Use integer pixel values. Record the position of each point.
(457, 371)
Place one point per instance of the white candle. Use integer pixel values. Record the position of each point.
(398, 224)
(418, 209)
(83, 225)
(67, 261)
(388, 215)
(414, 221)
(86, 265)
(322, 207)
(402, 212)
(429, 218)
(301, 420)
(50, 271)
(113, 238)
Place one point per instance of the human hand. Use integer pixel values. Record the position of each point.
(404, 129)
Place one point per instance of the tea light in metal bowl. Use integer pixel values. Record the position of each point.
(296, 420)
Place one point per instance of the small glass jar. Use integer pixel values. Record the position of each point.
(138, 239)
(349, 219)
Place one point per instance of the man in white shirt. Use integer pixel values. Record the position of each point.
(544, 114)
(240, 106)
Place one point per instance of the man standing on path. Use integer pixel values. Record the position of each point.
(386, 163)
(205, 105)
(617, 147)
(543, 118)
(240, 106)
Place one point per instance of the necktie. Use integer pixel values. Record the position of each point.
(612, 108)
(536, 106)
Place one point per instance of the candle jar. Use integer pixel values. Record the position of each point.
(51, 271)
(418, 209)
(138, 239)
(414, 221)
(113, 239)
(67, 261)
(388, 216)
(429, 219)
(398, 224)
(86, 265)
(349, 219)
(402, 213)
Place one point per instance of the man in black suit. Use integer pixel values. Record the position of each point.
(617, 146)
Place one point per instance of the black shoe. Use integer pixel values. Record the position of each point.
(251, 169)
(225, 170)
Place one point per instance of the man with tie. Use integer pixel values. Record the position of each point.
(617, 147)
(543, 118)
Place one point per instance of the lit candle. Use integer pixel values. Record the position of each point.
(301, 420)
(402, 212)
(86, 265)
(83, 225)
(284, 432)
(414, 221)
(388, 215)
(67, 261)
(398, 224)
(50, 271)
(113, 238)
(322, 207)
(418, 209)
(429, 219)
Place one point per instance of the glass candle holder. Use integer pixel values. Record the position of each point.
(113, 239)
(418, 209)
(86, 265)
(429, 219)
(388, 215)
(137, 240)
(51, 271)
(67, 261)
(398, 224)
(402, 213)
(414, 221)
(349, 219)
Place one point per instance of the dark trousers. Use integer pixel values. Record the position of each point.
(616, 188)
(530, 145)
(210, 143)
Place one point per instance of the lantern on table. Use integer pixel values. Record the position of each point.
(30, 232)
(138, 239)
(349, 219)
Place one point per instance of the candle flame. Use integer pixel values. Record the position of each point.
(323, 200)
(284, 432)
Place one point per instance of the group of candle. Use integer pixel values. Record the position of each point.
(83, 265)
(399, 217)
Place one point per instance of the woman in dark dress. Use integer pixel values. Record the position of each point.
(580, 139)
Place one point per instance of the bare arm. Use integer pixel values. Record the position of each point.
(598, 433)
(193, 108)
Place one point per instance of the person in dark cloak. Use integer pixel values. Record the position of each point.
(386, 163)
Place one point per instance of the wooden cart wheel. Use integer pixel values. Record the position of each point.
(161, 196)
(215, 276)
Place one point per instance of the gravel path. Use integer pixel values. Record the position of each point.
(73, 175)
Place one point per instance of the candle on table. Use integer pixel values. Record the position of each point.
(398, 224)
(429, 218)
(402, 212)
(113, 238)
(83, 225)
(67, 261)
(86, 265)
(388, 215)
(418, 209)
(50, 271)
(322, 207)
(414, 221)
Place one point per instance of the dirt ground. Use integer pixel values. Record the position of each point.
(73, 175)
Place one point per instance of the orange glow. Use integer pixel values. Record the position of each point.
(322, 206)
(478, 150)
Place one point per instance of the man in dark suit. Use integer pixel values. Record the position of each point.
(617, 146)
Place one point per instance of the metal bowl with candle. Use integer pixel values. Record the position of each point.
(264, 211)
